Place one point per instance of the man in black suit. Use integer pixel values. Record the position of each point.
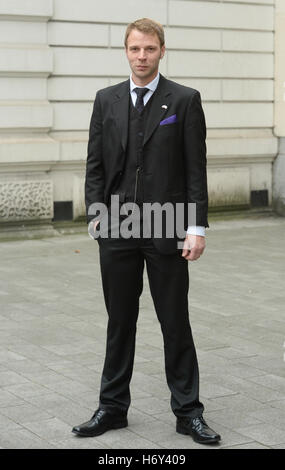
(147, 145)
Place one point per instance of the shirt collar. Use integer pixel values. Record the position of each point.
(151, 86)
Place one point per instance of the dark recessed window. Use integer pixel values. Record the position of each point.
(63, 210)
(259, 198)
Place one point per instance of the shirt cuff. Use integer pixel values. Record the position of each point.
(196, 230)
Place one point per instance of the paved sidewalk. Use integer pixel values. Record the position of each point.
(52, 343)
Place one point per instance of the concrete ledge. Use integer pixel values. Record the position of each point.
(37, 230)
(31, 230)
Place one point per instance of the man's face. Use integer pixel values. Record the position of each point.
(144, 53)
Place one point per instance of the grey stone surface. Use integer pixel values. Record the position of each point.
(52, 343)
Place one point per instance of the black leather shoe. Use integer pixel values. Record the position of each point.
(100, 422)
(198, 429)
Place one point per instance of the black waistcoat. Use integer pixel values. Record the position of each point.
(133, 176)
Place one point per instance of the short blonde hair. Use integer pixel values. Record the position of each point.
(148, 26)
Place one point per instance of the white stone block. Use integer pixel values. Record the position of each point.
(115, 80)
(69, 116)
(77, 34)
(261, 177)
(62, 183)
(221, 15)
(231, 185)
(189, 39)
(31, 8)
(228, 186)
(248, 90)
(75, 88)
(95, 62)
(259, 41)
(28, 115)
(117, 35)
(220, 64)
(78, 195)
(37, 150)
(26, 59)
(23, 88)
(23, 32)
(73, 150)
(210, 90)
(254, 147)
(110, 11)
(235, 115)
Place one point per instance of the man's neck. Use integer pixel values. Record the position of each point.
(143, 82)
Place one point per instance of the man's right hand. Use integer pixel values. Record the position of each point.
(92, 228)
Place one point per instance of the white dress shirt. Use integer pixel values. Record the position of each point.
(192, 229)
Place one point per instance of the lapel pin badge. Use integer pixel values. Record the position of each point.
(164, 106)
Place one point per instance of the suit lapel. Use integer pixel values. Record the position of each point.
(161, 98)
(121, 111)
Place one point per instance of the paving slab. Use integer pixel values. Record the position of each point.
(53, 332)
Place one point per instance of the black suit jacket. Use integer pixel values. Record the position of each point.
(174, 154)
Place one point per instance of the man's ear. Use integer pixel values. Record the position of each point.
(162, 52)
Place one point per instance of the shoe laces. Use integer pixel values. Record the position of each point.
(98, 414)
(199, 422)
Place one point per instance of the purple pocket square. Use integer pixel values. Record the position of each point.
(169, 120)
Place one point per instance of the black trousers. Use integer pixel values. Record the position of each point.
(122, 265)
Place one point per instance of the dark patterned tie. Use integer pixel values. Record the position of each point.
(139, 102)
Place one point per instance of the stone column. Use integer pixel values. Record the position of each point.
(279, 114)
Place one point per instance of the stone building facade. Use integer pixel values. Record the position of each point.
(55, 55)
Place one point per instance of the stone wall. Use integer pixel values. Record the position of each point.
(55, 55)
(279, 115)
